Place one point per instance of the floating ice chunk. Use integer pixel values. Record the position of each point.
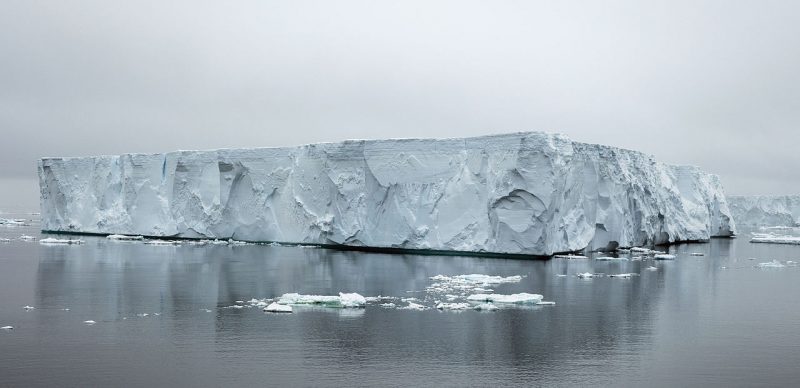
(771, 264)
(453, 306)
(609, 258)
(89, 322)
(25, 237)
(13, 222)
(65, 309)
(275, 307)
(163, 242)
(344, 300)
(56, 241)
(775, 239)
(546, 303)
(388, 305)
(5, 240)
(235, 306)
(142, 315)
(651, 268)
(413, 306)
(29, 308)
(205, 310)
(622, 275)
(697, 254)
(521, 298)
(664, 256)
(642, 250)
(586, 275)
(486, 307)
(124, 237)
(570, 257)
(561, 275)
(380, 299)
(7, 328)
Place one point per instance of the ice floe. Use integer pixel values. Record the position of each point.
(521, 298)
(571, 257)
(7, 328)
(25, 237)
(771, 264)
(89, 322)
(163, 242)
(13, 222)
(775, 239)
(610, 258)
(586, 275)
(57, 241)
(453, 306)
(622, 275)
(388, 305)
(5, 240)
(344, 300)
(651, 268)
(414, 306)
(486, 307)
(275, 307)
(664, 256)
(29, 308)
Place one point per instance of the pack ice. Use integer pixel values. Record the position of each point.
(523, 193)
(766, 210)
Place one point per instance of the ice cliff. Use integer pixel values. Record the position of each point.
(523, 193)
(766, 210)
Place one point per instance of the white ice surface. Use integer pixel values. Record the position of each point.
(278, 308)
(522, 193)
(521, 298)
(775, 239)
(343, 300)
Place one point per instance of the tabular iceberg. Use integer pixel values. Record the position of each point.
(766, 210)
(524, 193)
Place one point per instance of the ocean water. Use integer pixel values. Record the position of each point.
(712, 320)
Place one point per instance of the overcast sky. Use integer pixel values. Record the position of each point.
(710, 83)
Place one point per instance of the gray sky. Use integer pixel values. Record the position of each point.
(710, 83)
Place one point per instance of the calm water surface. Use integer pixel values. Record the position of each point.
(714, 320)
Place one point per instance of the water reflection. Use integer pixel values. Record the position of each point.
(601, 319)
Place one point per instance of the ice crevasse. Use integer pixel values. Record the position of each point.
(527, 193)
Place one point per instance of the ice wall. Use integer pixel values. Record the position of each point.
(523, 193)
(766, 210)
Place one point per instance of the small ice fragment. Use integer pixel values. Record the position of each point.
(546, 303)
(7, 328)
(570, 257)
(771, 264)
(651, 268)
(586, 275)
(486, 307)
(205, 310)
(56, 241)
(452, 306)
(25, 237)
(142, 315)
(157, 314)
(162, 242)
(609, 258)
(414, 306)
(697, 254)
(5, 240)
(29, 308)
(521, 298)
(343, 300)
(89, 322)
(388, 305)
(664, 256)
(275, 307)
(561, 275)
(239, 302)
(621, 275)
(65, 309)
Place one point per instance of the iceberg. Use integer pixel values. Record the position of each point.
(527, 193)
(765, 210)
